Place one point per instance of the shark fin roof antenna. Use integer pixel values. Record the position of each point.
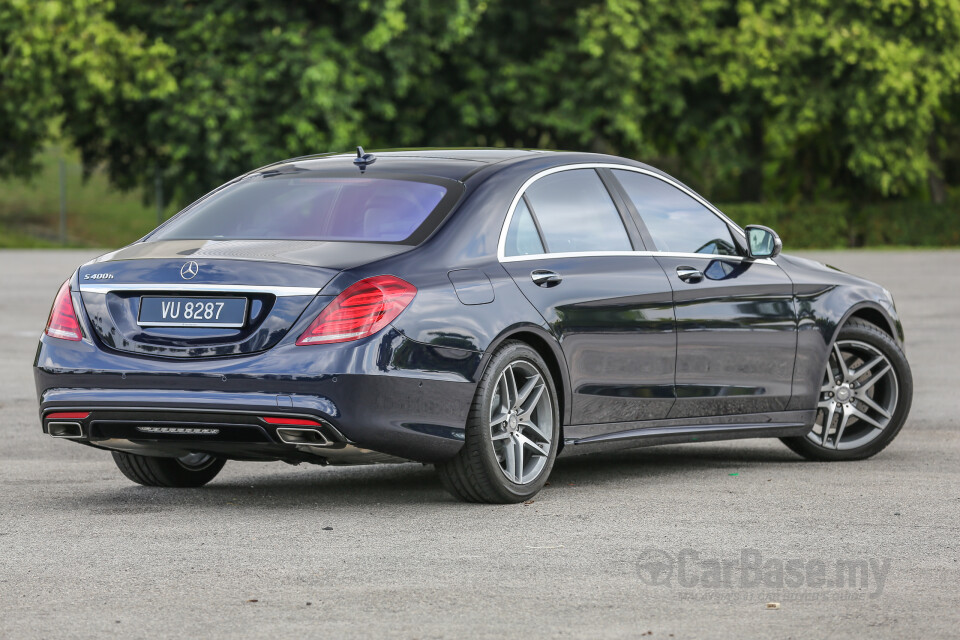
(363, 159)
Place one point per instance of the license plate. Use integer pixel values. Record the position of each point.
(162, 311)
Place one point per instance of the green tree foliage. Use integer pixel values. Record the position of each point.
(788, 100)
(783, 98)
(850, 94)
(261, 81)
(66, 59)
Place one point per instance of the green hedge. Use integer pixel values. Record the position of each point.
(836, 225)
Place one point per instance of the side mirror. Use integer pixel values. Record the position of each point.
(762, 242)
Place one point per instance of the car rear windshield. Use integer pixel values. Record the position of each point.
(346, 209)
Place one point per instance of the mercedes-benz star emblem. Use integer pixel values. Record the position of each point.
(189, 270)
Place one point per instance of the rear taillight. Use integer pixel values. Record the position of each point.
(63, 321)
(360, 310)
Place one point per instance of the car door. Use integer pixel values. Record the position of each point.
(736, 319)
(566, 246)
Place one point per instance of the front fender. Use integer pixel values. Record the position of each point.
(821, 314)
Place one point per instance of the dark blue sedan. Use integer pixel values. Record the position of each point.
(480, 310)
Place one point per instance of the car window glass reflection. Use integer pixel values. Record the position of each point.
(522, 236)
(309, 208)
(677, 222)
(576, 213)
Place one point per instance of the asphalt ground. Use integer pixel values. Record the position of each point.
(685, 541)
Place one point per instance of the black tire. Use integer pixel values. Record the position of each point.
(475, 474)
(167, 472)
(869, 333)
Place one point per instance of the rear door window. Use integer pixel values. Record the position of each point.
(676, 221)
(575, 213)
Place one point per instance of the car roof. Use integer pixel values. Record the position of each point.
(453, 163)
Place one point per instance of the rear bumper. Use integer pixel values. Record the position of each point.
(229, 432)
(388, 395)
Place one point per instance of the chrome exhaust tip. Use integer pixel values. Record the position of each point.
(309, 437)
(65, 429)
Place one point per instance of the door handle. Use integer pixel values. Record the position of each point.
(545, 278)
(689, 274)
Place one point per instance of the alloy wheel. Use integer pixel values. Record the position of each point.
(858, 396)
(521, 422)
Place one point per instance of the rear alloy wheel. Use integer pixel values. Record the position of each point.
(191, 470)
(864, 398)
(512, 433)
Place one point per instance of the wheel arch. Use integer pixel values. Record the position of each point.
(872, 313)
(545, 344)
(866, 310)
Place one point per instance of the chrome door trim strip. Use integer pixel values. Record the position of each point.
(650, 254)
(280, 292)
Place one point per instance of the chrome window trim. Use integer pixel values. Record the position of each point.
(501, 245)
(650, 254)
(280, 292)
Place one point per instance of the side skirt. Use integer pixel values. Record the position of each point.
(655, 432)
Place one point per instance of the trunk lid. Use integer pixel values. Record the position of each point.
(276, 280)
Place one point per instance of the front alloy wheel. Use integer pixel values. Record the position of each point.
(512, 432)
(864, 397)
(858, 396)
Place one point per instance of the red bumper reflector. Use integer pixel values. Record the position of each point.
(68, 415)
(291, 421)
